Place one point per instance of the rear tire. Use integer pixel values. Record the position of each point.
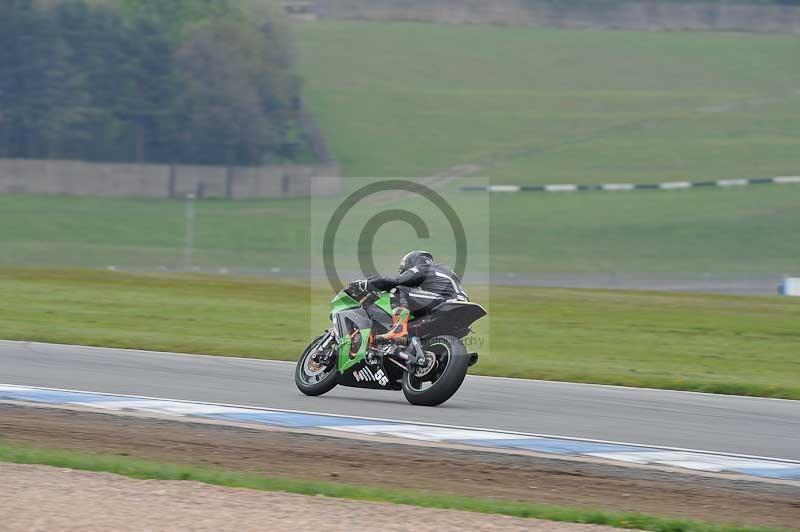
(449, 351)
(304, 376)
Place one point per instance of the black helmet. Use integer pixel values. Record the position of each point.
(415, 258)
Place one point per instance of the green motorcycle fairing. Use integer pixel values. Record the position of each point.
(344, 308)
(384, 302)
(342, 301)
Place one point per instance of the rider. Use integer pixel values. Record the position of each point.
(421, 285)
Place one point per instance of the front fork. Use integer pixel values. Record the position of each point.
(326, 341)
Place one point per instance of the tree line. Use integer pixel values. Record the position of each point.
(178, 81)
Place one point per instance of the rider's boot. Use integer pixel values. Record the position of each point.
(399, 328)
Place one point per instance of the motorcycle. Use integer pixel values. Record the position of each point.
(429, 366)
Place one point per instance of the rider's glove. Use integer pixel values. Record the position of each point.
(361, 285)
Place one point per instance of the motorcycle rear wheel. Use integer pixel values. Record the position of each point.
(444, 378)
(312, 378)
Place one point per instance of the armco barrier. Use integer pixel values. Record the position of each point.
(616, 187)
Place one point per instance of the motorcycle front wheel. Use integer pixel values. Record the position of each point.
(312, 377)
(441, 377)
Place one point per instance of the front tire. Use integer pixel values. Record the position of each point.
(444, 379)
(312, 378)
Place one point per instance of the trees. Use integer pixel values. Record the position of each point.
(25, 44)
(194, 81)
(238, 92)
(220, 100)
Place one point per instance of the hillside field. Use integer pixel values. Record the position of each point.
(553, 106)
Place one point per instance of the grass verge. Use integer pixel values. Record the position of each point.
(701, 342)
(141, 469)
(707, 235)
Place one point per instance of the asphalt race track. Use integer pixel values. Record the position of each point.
(761, 427)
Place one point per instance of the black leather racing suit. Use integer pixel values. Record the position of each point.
(421, 288)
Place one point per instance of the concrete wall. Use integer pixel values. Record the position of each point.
(634, 15)
(77, 178)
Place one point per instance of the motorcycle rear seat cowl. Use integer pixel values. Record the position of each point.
(450, 317)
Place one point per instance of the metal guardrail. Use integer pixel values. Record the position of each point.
(616, 187)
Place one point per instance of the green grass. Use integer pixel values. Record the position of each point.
(721, 234)
(141, 469)
(220, 316)
(146, 233)
(700, 342)
(547, 105)
(654, 234)
(710, 343)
